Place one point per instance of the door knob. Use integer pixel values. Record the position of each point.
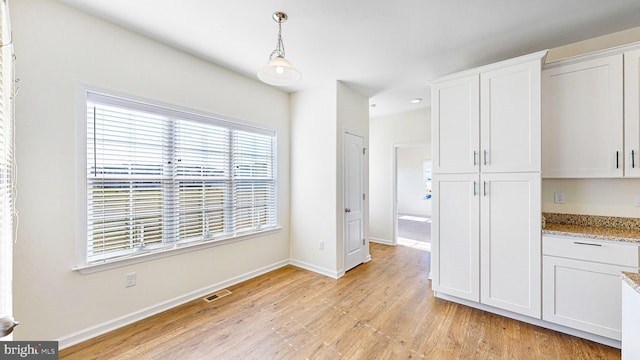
(347, 210)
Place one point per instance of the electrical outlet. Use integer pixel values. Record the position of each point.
(130, 280)
(638, 200)
(558, 197)
(321, 245)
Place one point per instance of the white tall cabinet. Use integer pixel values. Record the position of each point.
(455, 112)
(510, 244)
(486, 185)
(455, 243)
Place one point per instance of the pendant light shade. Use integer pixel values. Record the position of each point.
(279, 71)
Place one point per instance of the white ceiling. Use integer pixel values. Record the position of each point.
(387, 50)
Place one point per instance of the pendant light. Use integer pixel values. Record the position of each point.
(279, 71)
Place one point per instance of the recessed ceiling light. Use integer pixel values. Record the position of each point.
(416, 100)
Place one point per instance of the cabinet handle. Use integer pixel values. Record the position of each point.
(584, 243)
(633, 159)
(475, 193)
(485, 157)
(617, 162)
(484, 188)
(475, 157)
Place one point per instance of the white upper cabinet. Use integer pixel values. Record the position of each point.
(632, 113)
(488, 119)
(510, 118)
(455, 113)
(582, 112)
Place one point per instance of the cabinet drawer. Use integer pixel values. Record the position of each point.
(591, 250)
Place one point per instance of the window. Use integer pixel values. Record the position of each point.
(426, 170)
(158, 178)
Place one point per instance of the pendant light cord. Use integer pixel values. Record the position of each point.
(279, 50)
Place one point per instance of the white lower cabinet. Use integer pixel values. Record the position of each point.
(581, 283)
(630, 322)
(486, 239)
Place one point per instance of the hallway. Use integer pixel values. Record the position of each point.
(414, 231)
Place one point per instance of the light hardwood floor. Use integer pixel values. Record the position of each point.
(383, 309)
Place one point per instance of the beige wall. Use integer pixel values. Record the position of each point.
(319, 118)
(599, 43)
(613, 197)
(313, 179)
(387, 133)
(610, 197)
(352, 117)
(58, 49)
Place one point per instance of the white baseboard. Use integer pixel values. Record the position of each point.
(381, 241)
(535, 321)
(317, 269)
(105, 327)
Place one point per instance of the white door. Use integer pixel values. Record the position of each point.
(456, 125)
(510, 118)
(455, 243)
(510, 242)
(353, 201)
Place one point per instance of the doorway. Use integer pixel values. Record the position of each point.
(412, 212)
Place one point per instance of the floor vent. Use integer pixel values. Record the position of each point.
(217, 295)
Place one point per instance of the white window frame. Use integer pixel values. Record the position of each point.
(86, 267)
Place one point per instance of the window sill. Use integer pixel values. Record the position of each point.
(86, 269)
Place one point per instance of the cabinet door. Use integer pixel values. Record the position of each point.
(455, 240)
(583, 295)
(510, 242)
(632, 113)
(582, 121)
(630, 322)
(510, 118)
(455, 112)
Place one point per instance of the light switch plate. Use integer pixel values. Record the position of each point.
(558, 197)
(638, 200)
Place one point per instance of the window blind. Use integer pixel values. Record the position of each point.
(158, 178)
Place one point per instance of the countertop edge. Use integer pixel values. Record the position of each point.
(633, 279)
(591, 236)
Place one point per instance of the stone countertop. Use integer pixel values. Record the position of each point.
(593, 232)
(592, 226)
(633, 279)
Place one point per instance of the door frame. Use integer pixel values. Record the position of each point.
(394, 193)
